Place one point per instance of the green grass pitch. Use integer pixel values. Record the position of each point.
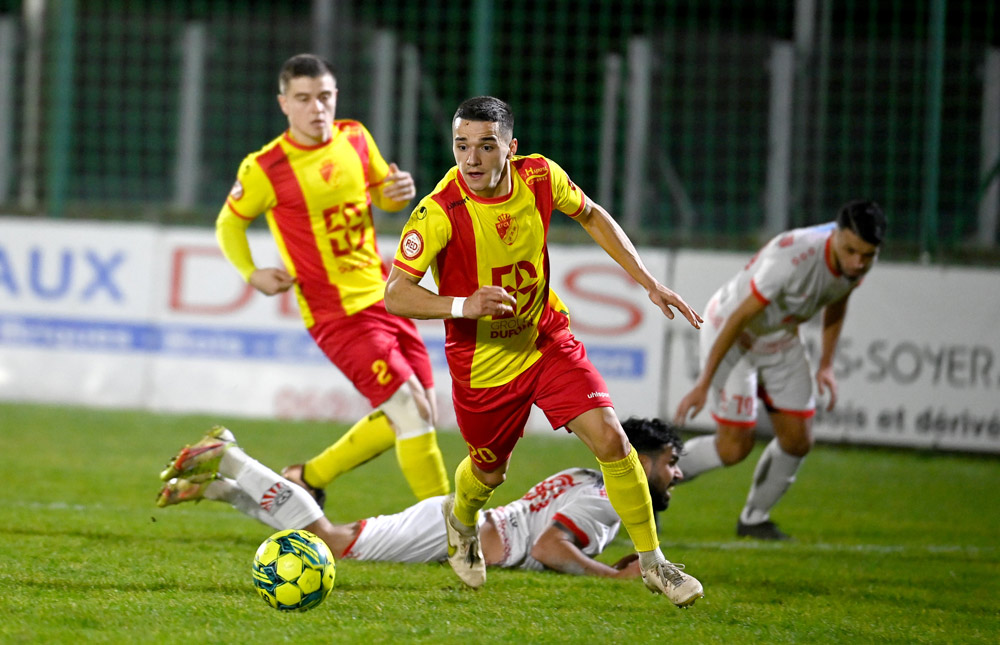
(891, 547)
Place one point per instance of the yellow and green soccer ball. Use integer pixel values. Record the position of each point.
(293, 570)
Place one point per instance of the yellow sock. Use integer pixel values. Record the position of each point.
(470, 493)
(422, 464)
(367, 439)
(628, 492)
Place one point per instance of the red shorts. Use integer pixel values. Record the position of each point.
(562, 383)
(376, 350)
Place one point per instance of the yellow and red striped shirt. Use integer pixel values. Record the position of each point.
(318, 207)
(469, 242)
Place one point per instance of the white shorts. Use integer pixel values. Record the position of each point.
(416, 534)
(780, 375)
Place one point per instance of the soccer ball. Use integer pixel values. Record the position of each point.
(293, 570)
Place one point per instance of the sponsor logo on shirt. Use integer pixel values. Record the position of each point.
(507, 228)
(237, 190)
(412, 245)
(598, 395)
(544, 493)
(275, 496)
(508, 328)
(531, 175)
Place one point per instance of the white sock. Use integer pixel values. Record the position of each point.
(774, 473)
(699, 455)
(227, 490)
(649, 559)
(289, 505)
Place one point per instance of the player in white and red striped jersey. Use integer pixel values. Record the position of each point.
(750, 348)
(560, 524)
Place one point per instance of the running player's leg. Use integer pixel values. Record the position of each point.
(491, 421)
(573, 394)
(624, 477)
(787, 389)
(370, 357)
(417, 451)
(732, 402)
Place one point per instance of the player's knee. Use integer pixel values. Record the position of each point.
(733, 449)
(611, 445)
(409, 415)
(491, 478)
(798, 446)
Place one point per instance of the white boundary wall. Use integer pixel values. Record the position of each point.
(137, 316)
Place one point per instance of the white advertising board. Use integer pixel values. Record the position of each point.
(918, 363)
(75, 301)
(156, 318)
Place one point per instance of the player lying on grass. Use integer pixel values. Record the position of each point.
(560, 523)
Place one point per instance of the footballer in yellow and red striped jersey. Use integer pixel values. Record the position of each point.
(495, 241)
(318, 207)
(316, 183)
(482, 232)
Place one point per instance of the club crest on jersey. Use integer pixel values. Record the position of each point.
(326, 170)
(412, 245)
(507, 228)
(237, 190)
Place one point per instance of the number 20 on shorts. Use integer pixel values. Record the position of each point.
(484, 455)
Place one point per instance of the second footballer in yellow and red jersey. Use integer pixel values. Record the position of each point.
(316, 184)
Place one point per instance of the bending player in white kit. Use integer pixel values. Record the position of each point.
(560, 524)
(750, 347)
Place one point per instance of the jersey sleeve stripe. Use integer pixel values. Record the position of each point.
(407, 268)
(232, 207)
(758, 294)
(583, 205)
(582, 537)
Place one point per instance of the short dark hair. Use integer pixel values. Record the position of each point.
(489, 109)
(303, 65)
(652, 436)
(865, 218)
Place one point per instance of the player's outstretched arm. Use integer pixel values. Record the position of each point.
(605, 231)
(405, 297)
(556, 549)
(833, 322)
(694, 400)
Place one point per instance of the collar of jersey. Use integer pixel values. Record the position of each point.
(828, 255)
(287, 136)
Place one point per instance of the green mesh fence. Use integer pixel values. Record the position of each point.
(688, 162)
